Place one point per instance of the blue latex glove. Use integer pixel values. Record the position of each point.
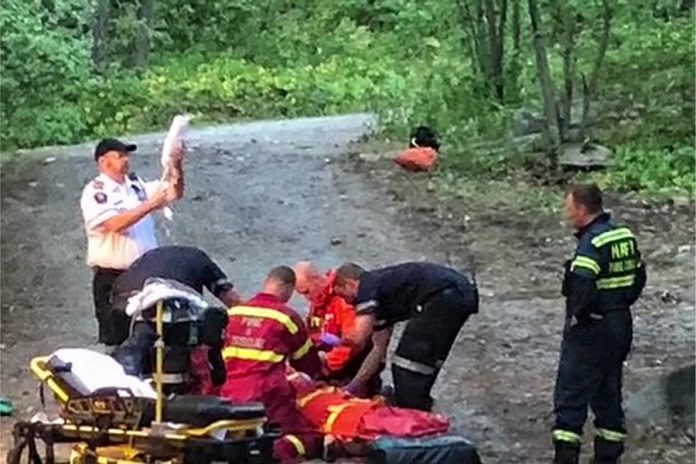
(330, 340)
(351, 388)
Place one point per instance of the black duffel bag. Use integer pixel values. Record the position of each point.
(443, 449)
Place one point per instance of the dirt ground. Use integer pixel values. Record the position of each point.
(267, 193)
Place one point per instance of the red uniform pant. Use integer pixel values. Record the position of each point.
(278, 397)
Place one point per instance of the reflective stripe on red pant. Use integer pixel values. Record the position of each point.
(279, 400)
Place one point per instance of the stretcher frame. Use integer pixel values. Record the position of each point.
(245, 441)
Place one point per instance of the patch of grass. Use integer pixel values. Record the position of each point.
(513, 195)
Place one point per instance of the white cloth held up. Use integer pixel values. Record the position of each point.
(174, 139)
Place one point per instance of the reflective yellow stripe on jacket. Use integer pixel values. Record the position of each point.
(586, 263)
(265, 313)
(621, 233)
(616, 282)
(252, 354)
(301, 351)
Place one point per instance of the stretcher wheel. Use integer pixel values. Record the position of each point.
(14, 455)
(24, 440)
(83, 460)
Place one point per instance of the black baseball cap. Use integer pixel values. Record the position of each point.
(107, 145)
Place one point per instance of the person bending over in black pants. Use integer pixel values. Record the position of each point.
(436, 301)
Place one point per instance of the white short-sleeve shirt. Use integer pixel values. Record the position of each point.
(103, 198)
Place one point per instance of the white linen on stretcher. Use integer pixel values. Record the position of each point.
(97, 371)
(157, 289)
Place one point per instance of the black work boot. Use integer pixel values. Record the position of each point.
(566, 452)
(607, 452)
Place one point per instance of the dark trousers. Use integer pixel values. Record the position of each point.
(113, 325)
(590, 374)
(425, 345)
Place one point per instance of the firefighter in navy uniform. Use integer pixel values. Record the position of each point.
(186, 264)
(436, 301)
(194, 268)
(603, 279)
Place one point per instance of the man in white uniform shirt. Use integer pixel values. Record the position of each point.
(116, 209)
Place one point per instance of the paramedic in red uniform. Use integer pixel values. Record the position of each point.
(329, 319)
(262, 336)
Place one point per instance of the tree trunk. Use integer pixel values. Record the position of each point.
(590, 88)
(496, 29)
(142, 41)
(544, 75)
(100, 35)
(471, 27)
(484, 46)
(568, 24)
(516, 26)
(500, 53)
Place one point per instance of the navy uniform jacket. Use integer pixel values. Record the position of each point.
(393, 294)
(189, 265)
(606, 272)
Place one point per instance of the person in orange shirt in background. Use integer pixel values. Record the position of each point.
(329, 318)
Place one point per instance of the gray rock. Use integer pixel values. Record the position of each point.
(583, 155)
(527, 123)
(681, 201)
(667, 402)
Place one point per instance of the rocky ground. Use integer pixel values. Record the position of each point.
(267, 193)
(514, 236)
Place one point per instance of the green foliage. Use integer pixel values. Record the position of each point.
(411, 62)
(45, 67)
(655, 169)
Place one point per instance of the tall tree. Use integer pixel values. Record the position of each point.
(590, 87)
(486, 34)
(565, 17)
(546, 85)
(100, 35)
(516, 27)
(142, 40)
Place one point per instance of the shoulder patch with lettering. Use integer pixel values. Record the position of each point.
(100, 197)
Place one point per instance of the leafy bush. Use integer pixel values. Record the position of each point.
(45, 66)
(410, 62)
(643, 168)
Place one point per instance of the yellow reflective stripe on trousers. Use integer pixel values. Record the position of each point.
(612, 236)
(301, 351)
(565, 435)
(610, 435)
(585, 262)
(265, 313)
(297, 443)
(252, 354)
(616, 282)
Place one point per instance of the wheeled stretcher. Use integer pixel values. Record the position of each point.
(115, 418)
(117, 423)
